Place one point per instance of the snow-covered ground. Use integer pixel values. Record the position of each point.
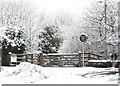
(27, 73)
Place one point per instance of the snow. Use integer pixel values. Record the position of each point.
(104, 60)
(100, 60)
(33, 52)
(2, 29)
(17, 29)
(9, 40)
(23, 73)
(27, 73)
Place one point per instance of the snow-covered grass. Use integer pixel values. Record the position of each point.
(27, 73)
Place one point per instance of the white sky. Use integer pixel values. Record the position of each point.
(52, 6)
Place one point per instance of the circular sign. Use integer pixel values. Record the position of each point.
(83, 38)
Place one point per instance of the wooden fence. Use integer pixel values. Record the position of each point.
(32, 58)
(74, 59)
(55, 59)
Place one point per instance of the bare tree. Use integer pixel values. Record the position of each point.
(68, 25)
(94, 24)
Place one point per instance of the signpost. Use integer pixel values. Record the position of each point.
(83, 38)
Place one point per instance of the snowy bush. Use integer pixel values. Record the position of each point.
(17, 36)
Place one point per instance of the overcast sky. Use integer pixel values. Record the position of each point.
(52, 6)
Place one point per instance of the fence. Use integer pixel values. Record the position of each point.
(17, 58)
(74, 59)
(55, 59)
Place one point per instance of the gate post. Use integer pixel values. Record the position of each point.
(26, 59)
(40, 59)
(31, 55)
(89, 56)
(29, 58)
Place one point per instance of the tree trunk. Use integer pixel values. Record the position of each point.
(119, 30)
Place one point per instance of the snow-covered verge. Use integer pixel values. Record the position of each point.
(27, 73)
(23, 73)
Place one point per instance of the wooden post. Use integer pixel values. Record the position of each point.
(26, 59)
(40, 59)
(119, 69)
(29, 58)
(89, 56)
(79, 59)
(119, 75)
(60, 64)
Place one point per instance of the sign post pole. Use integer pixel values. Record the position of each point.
(83, 38)
(83, 55)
